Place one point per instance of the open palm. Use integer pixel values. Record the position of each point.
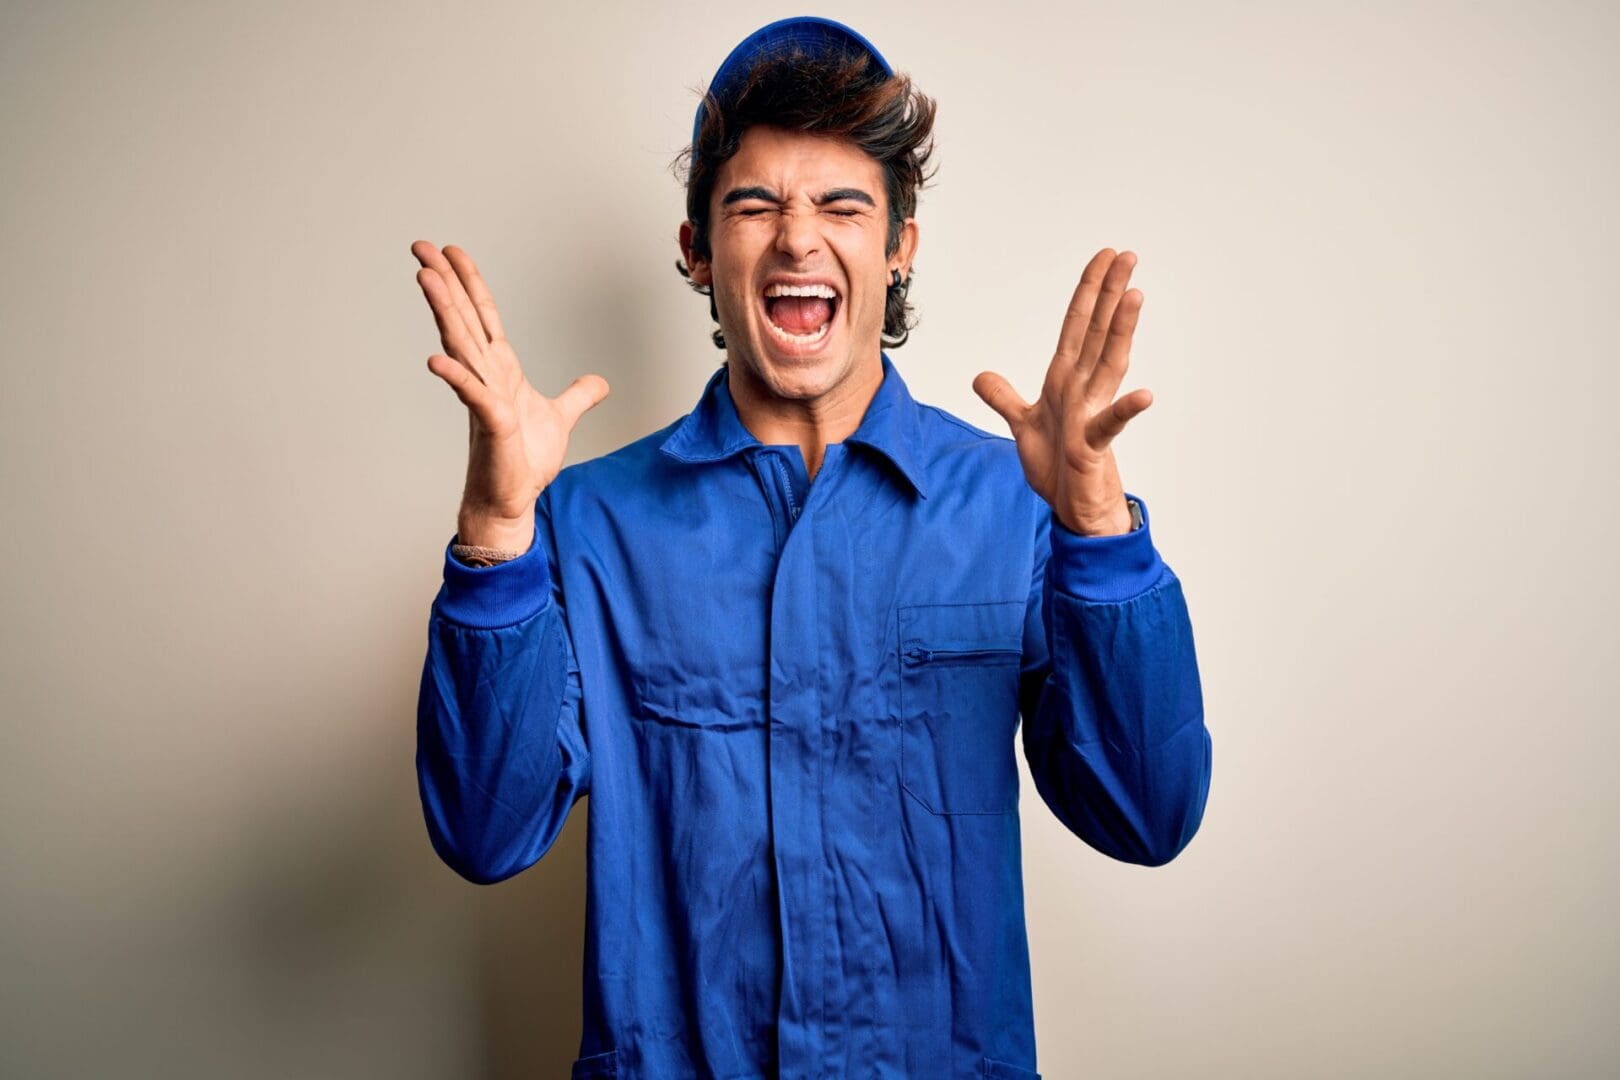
(517, 437)
(1064, 439)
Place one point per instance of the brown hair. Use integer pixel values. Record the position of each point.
(844, 94)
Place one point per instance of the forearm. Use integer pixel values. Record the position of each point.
(499, 759)
(1116, 743)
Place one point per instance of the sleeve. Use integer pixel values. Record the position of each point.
(1109, 693)
(501, 755)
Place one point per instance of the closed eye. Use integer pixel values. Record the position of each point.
(840, 213)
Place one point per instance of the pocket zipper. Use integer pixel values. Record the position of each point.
(918, 654)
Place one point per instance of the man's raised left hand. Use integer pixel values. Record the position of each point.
(1064, 439)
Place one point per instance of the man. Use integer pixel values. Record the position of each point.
(786, 641)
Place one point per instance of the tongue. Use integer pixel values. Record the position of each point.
(800, 314)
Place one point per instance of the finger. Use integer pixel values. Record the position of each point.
(477, 292)
(437, 261)
(579, 396)
(1112, 420)
(1116, 355)
(452, 330)
(999, 394)
(1075, 319)
(1102, 314)
(473, 393)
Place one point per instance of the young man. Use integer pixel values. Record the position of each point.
(785, 643)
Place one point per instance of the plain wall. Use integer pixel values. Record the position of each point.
(1377, 246)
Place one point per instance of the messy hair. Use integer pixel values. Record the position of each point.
(844, 94)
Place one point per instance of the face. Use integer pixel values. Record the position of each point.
(809, 213)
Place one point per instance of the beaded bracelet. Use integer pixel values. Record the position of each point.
(473, 555)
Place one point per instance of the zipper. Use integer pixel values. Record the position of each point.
(919, 654)
(787, 481)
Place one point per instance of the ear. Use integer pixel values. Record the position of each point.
(699, 268)
(906, 252)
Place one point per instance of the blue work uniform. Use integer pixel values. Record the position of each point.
(794, 708)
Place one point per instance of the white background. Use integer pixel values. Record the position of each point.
(1377, 245)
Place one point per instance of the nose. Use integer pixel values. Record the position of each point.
(798, 234)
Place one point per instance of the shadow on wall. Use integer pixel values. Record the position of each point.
(359, 952)
(656, 365)
(531, 932)
(351, 935)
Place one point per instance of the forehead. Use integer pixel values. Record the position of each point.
(794, 161)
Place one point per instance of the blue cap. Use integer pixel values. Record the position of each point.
(815, 35)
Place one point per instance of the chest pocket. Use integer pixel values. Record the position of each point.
(959, 668)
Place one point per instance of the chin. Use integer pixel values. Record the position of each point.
(802, 378)
(794, 374)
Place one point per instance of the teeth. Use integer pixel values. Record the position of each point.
(799, 339)
(779, 289)
(826, 292)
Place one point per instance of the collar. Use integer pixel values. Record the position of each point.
(891, 426)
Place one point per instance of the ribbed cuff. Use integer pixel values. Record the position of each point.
(490, 597)
(1106, 568)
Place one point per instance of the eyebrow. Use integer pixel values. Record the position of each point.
(833, 195)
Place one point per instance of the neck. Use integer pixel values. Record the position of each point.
(809, 423)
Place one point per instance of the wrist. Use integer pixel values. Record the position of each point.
(1115, 522)
(501, 534)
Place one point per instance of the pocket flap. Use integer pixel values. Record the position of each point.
(1000, 1070)
(993, 625)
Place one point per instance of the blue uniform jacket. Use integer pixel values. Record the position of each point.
(794, 708)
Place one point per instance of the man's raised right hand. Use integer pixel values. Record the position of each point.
(517, 437)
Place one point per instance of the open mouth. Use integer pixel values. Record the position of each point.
(800, 316)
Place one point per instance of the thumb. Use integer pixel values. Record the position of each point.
(999, 394)
(582, 394)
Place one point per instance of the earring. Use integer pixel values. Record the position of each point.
(894, 283)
